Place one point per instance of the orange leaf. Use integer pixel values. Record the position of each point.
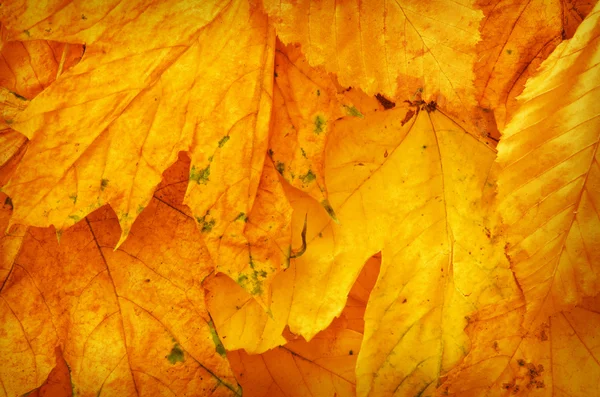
(132, 321)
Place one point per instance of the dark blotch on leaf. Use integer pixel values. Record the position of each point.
(386, 103)
(103, 184)
(280, 167)
(223, 140)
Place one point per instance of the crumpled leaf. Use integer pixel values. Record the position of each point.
(391, 48)
(516, 37)
(549, 187)
(306, 103)
(108, 127)
(322, 367)
(131, 321)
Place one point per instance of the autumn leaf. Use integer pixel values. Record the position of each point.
(509, 56)
(132, 321)
(392, 48)
(322, 367)
(121, 155)
(58, 382)
(306, 104)
(299, 198)
(549, 187)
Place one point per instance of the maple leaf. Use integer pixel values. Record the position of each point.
(280, 181)
(392, 48)
(322, 367)
(131, 321)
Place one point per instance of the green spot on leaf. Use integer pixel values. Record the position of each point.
(319, 124)
(206, 225)
(200, 176)
(223, 140)
(140, 209)
(241, 217)
(176, 355)
(308, 178)
(219, 348)
(280, 167)
(509, 52)
(354, 112)
(329, 209)
(103, 184)
(74, 198)
(76, 218)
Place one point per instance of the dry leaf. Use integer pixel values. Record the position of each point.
(549, 187)
(392, 48)
(132, 321)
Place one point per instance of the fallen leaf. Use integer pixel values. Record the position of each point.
(132, 321)
(558, 358)
(549, 187)
(389, 48)
(27, 67)
(58, 383)
(322, 367)
(306, 104)
(101, 134)
(516, 37)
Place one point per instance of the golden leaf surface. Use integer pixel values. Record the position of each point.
(27, 67)
(306, 103)
(516, 37)
(549, 187)
(58, 383)
(132, 321)
(107, 128)
(392, 48)
(322, 367)
(559, 358)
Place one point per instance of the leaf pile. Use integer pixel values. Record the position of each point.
(300, 198)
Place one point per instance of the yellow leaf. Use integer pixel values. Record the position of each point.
(27, 67)
(392, 48)
(306, 104)
(549, 187)
(559, 358)
(516, 37)
(322, 367)
(58, 383)
(107, 128)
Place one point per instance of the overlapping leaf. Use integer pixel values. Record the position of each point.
(131, 321)
(107, 128)
(549, 188)
(559, 358)
(516, 37)
(324, 366)
(392, 48)
(306, 103)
